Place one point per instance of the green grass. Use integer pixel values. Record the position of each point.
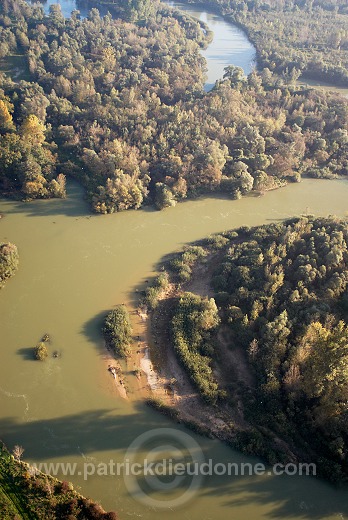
(16, 67)
(12, 502)
(7, 509)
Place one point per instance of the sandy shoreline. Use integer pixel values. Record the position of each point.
(136, 377)
(153, 371)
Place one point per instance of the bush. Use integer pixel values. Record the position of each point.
(151, 297)
(117, 331)
(153, 292)
(217, 241)
(162, 280)
(194, 318)
(9, 261)
(164, 198)
(232, 234)
(41, 351)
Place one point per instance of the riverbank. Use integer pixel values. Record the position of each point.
(28, 494)
(247, 412)
(170, 391)
(174, 388)
(153, 374)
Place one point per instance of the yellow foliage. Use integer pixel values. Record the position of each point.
(33, 130)
(6, 121)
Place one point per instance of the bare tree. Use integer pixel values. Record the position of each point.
(17, 452)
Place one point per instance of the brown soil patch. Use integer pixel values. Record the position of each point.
(173, 386)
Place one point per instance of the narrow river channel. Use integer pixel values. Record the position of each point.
(75, 266)
(229, 46)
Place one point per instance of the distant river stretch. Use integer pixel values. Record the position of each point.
(230, 45)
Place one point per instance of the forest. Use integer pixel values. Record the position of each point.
(120, 106)
(281, 306)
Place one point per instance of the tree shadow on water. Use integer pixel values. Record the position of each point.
(107, 430)
(27, 353)
(286, 496)
(92, 330)
(73, 205)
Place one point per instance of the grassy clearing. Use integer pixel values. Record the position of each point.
(15, 66)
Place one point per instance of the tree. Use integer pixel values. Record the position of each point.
(140, 10)
(18, 452)
(6, 122)
(235, 75)
(246, 182)
(32, 130)
(324, 364)
(164, 198)
(261, 180)
(41, 351)
(56, 17)
(9, 261)
(57, 187)
(117, 331)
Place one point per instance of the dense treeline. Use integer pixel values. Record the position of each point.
(296, 36)
(28, 493)
(9, 261)
(124, 104)
(27, 164)
(282, 295)
(286, 302)
(133, 10)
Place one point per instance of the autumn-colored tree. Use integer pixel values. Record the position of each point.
(32, 130)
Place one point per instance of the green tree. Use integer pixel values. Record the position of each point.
(117, 331)
(235, 75)
(9, 261)
(41, 351)
(164, 198)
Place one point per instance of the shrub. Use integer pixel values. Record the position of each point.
(152, 293)
(41, 351)
(217, 241)
(194, 318)
(9, 261)
(151, 297)
(162, 280)
(117, 331)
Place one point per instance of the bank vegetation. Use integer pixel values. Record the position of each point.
(268, 352)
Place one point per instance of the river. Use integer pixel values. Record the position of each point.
(229, 46)
(73, 267)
